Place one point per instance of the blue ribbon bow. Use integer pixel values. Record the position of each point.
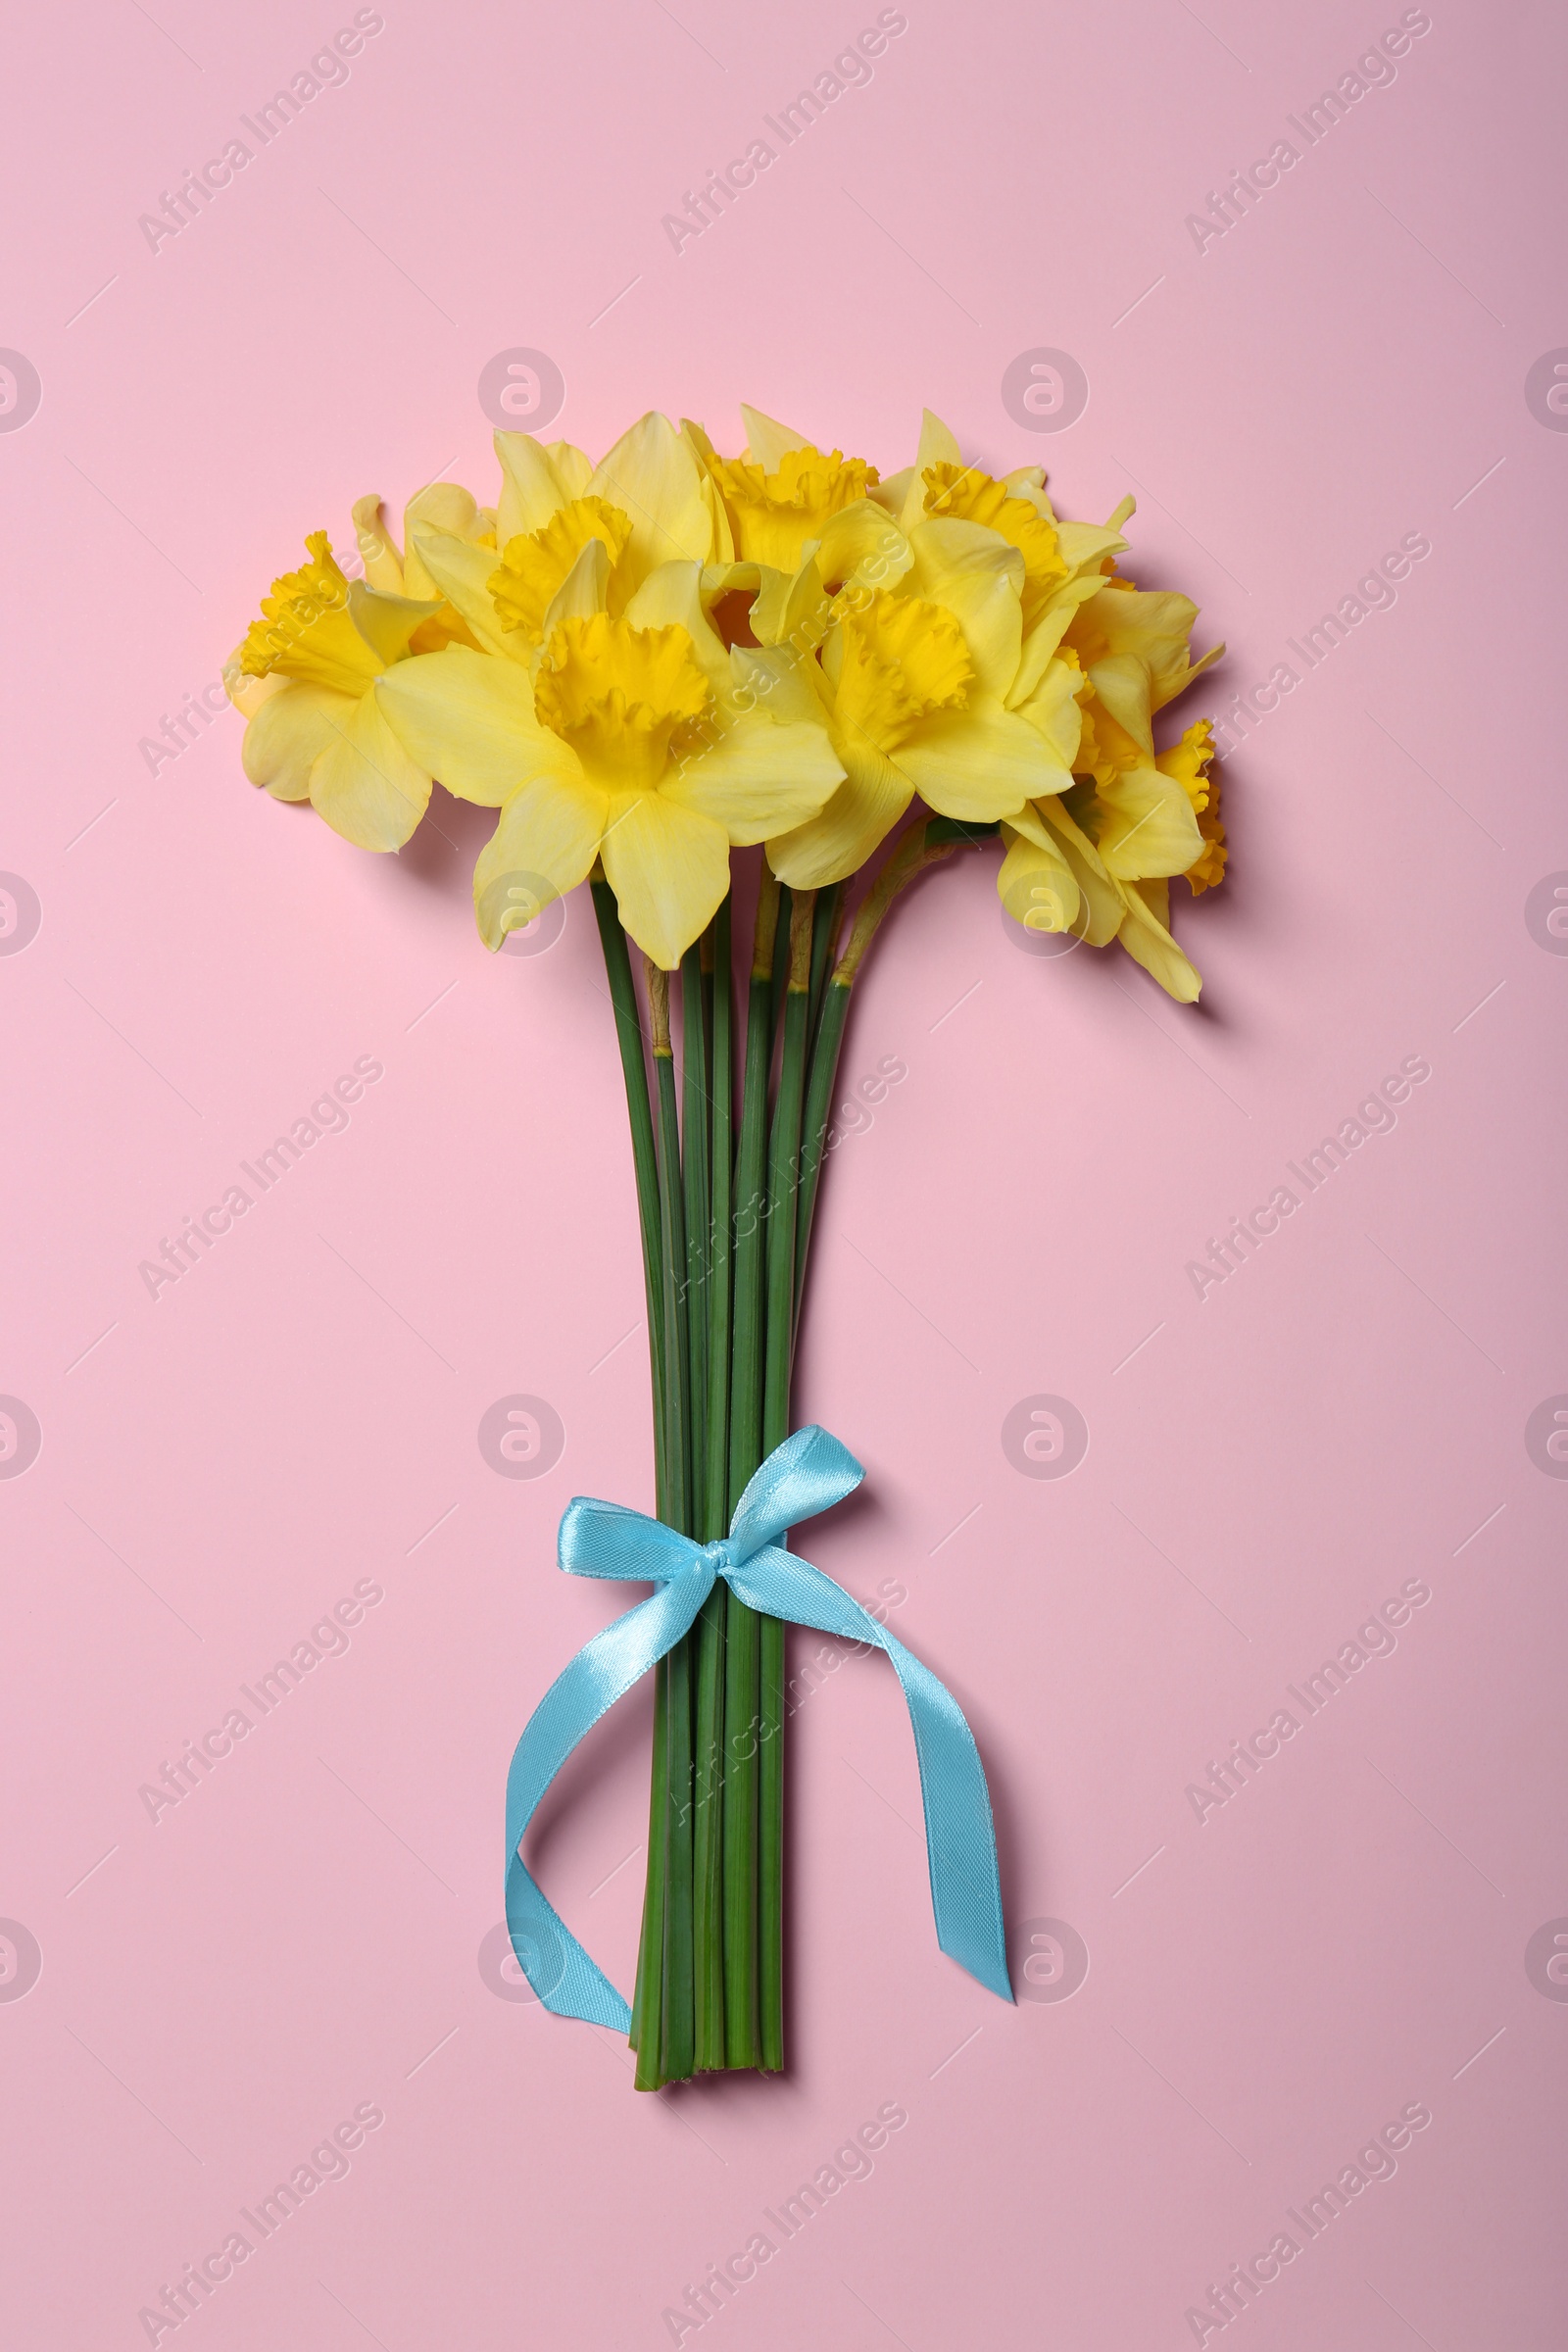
(809, 1473)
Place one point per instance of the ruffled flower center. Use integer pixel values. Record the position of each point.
(536, 563)
(304, 630)
(620, 695)
(964, 494)
(1187, 762)
(903, 659)
(774, 514)
(1106, 750)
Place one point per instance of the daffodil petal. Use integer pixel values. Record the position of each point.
(862, 547)
(470, 721)
(652, 475)
(937, 447)
(672, 596)
(979, 578)
(1154, 891)
(1102, 909)
(532, 486)
(442, 507)
(1149, 943)
(791, 608)
(462, 574)
(365, 783)
(723, 544)
(387, 622)
(698, 435)
(544, 845)
(288, 734)
(1086, 545)
(379, 552)
(722, 531)
(900, 495)
(1037, 885)
(1043, 641)
(668, 867)
(864, 809)
(1149, 828)
(439, 507)
(1154, 626)
(759, 776)
(978, 764)
(1121, 682)
(1053, 713)
(584, 590)
(1194, 669)
(1028, 482)
(1027, 821)
(767, 441)
(775, 679)
(574, 467)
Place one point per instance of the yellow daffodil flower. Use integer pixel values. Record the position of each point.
(783, 493)
(1146, 824)
(1146, 931)
(1098, 661)
(1099, 860)
(440, 507)
(643, 663)
(1133, 647)
(648, 502)
(633, 737)
(305, 676)
(1062, 560)
(1189, 763)
(914, 676)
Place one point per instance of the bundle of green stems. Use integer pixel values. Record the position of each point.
(726, 1207)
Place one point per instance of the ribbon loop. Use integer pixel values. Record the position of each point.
(809, 1473)
(604, 1538)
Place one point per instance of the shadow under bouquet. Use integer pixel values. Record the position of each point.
(643, 665)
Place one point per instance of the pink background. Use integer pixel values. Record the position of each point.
(1267, 1987)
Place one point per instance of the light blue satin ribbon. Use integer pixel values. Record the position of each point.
(809, 1473)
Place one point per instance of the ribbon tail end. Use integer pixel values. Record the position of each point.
(599, 2005)
(988, 1969)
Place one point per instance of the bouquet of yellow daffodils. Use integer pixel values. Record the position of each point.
(643, 665)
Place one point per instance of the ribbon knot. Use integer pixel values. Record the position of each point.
(807, 1474)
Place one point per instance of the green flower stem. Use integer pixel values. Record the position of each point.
(722, 1171)
(672, 1258)
(742, 1662)
(647, 1995)
(676, 2017)
(694, 1165)
(783, 1181)
(722, 1315)
(817, 1115)
(706, 1645)
(826, 916)
(709, 1876)
(781, 963)
(629, 1035)
(628, 1031)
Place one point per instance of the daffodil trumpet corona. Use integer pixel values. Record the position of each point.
(642, 667)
